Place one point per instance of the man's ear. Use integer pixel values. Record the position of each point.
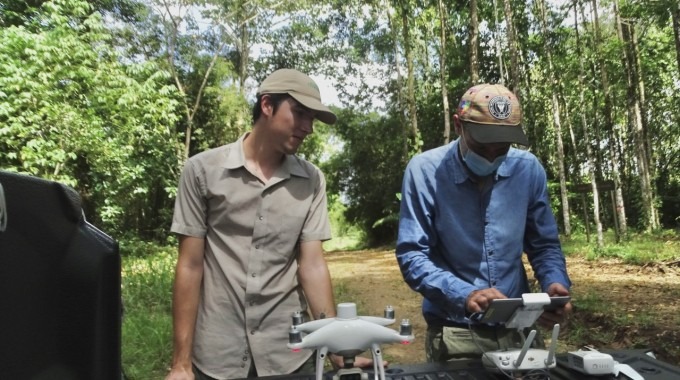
(266, 105)
(457, 126)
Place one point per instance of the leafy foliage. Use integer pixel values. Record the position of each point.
(70, 111)
(365, 172)
(102, 95)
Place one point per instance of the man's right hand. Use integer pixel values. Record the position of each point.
(180, 373)
(479, 300)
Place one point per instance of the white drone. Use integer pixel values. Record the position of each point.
(348, 335)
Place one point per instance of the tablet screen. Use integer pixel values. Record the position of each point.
(501, 310)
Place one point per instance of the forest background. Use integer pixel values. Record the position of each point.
(111, 97)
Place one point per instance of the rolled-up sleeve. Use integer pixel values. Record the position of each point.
(541, 237)
(189, 217)
(425, 271)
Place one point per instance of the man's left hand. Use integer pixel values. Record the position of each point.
(550, 318)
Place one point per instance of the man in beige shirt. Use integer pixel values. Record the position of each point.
(251, 217)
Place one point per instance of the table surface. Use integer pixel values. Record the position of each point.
(647, 366)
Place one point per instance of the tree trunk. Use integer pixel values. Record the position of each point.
(564, 194)
(586, 136)
(474, 42)
(442, 71)
(655, 217)
(609, 126)
(243, 50)
(190, 110)
(411, 95)
(512, 43)
(535, 133)
(635, 120)
(499, 53)
(397, 67)
(675, 14)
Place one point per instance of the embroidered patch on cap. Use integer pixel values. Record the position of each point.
(500, 107)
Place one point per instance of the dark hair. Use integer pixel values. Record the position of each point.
(276, 100)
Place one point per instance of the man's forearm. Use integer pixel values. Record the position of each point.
(186, 293)
(316, 284)
(184, 310)
(315, 280)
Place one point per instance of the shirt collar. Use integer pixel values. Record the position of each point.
(235, 158)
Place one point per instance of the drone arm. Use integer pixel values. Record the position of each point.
(378, 320)
(310, 326)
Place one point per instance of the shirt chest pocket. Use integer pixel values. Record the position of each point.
(288, 227)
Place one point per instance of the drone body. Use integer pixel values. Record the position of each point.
(349, 335)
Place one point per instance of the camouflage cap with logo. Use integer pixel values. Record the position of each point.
(301, 87)
(491, 114)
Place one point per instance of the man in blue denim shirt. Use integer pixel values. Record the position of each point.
(469, 211)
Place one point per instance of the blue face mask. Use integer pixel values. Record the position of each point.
(480, 165)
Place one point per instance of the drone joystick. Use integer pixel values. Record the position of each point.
(348, 335)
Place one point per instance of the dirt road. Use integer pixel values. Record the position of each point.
(616, 305)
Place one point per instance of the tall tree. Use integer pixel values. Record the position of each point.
(564, 194)
(635, 93)
(474, 42)
(675, 15)
(590, 158)
(405, 13)
(175, 14)
(443, 78)
(401, 103)
(512, 45)
(502, 70)
(609, 124)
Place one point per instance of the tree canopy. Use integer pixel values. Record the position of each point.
(110, 97)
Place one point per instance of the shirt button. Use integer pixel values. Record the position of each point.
(490, 253)
(252, 332)
(245, 358)
(257, 246)
(252, 274)
(261, 217)
(243, 365)
(493, 283)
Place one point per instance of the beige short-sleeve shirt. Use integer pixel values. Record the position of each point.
(252, 232)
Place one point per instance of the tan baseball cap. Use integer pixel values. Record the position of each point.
(491, 114)
(301, 87)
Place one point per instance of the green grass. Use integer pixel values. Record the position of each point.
(147, 321)
(638, 249)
